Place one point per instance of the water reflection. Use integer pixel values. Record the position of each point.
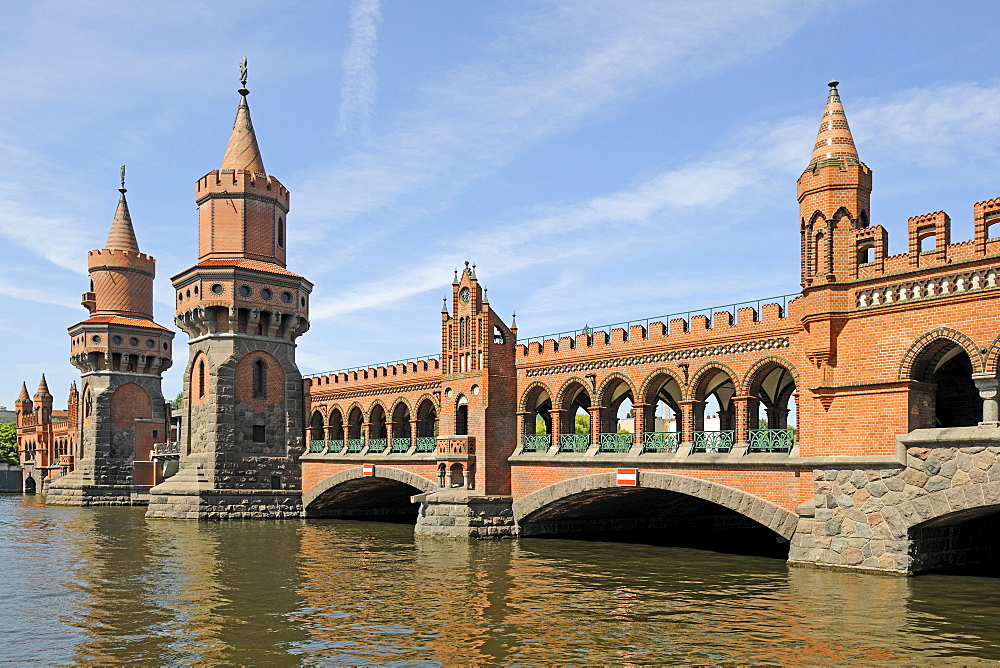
(107, 586)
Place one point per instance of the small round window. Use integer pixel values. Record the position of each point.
(217, 288)
(117, 340)
(245, 290)
(196, 289)
(150, 343)
(286, 297)
(303, 300)
(265, 293)
(133, 341)
(180, 296)
(95, 338)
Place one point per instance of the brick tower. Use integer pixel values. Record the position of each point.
(242, 429)
(121, 354)
(477, 422)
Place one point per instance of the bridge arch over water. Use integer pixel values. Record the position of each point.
(351, 494)
(662, 502)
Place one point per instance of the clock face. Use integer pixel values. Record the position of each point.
(464, 295)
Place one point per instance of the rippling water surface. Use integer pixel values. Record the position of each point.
(104, 585)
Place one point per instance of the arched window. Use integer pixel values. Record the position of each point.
(259, 379)
(462, 416)
(281, 233)
(201, 379)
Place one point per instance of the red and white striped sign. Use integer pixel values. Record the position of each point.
(368, 469)
(628, 477)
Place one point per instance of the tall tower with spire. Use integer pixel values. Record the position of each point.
(834, 195)
(242, 430)
(121, 354)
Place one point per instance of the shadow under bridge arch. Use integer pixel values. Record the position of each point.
(664, 509)
(384, 496)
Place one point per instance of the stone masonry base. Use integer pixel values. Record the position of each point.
(464, 514)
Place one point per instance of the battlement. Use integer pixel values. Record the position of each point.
(413, 369)
(217, 181)
(121, 258)
(747, 320)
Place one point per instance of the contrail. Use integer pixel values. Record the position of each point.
(357, 91)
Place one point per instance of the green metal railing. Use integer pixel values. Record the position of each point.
(713, 441)
(317, 446)
(426, 444)
(574, 442)
(377, 444)
(365, 367)
(335, 446)
(536, 442)
(661, 441)
(665, 319)
(770, 440)
(400, 444)
(614, 442)
(355, 444)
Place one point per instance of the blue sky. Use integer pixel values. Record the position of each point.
(599, 161)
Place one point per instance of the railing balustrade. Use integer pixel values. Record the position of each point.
(614, 442)
(355, 444)
(335, 446)
(377, 444)
(770, 440)
(713, 441)
(574, 442)
(536, 442)
(317, 446)
(400, 444)
(660, 441)
(426, 444)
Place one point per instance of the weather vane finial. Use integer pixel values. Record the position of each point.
(243, 77)
(122, 171)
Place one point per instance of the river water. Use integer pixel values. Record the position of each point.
(106, 586)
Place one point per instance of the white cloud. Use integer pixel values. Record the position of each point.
(357, 92)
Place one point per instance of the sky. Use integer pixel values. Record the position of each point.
(598, 161)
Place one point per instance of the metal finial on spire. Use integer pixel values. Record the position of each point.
(243, 77)
(122, 171)
(444, 306)
(833, 84)
(513, 321)
(455, 280)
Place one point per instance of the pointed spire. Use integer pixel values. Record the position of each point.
(24, 393)
(444, 307)
(455, 281)
(486, 295)
(43, 388)
(72, 388)
(243, 154)
(513, 321)
(122, 234)
(834, 141)
(472, 273)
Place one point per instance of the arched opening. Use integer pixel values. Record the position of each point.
(355, 430)
(943, 393)
(426, 426)
(866, 252)
(537, 436)
(715, 415)
(927, 242)
(654, 517)
(456, 477)
(335, 433)
(966, 541)
(30, 486)
(574, 427)
(373, 499)
(201, 379)
(462, 416)
(317, 442)
(771, 413)
(617, 417)
(259, 379)
(400, 428)
(819, 253)
(661, 431)
(377, 441)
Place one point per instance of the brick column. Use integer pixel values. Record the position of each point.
(744, 411)
(413, 431)
(692, 418)
(366, 432)
(595, 423)
(639, 422)
(555, 415)
(522, 426)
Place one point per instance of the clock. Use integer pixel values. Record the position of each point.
(464, 295)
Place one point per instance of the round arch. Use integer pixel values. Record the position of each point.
(384, 472)
(766, 513)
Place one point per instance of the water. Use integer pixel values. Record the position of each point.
(105, 586)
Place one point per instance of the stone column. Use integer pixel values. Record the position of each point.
(988, 385)
(442, 476)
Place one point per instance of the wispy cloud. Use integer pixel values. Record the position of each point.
(357, 91)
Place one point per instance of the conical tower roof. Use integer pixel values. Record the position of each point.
(43, 388)
(24, 393)
(243, 154)
(834, 141)
(122, 234)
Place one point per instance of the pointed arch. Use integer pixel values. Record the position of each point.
(652, 383)
(608, 385)
(560, 397)
(531, 393)
(703, 374)
(915, 364)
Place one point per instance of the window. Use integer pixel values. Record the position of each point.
(462, 417)
(201, 379)
(259, 379)
(281, 233)
(259, 433)
(276, 482)
(155, 433)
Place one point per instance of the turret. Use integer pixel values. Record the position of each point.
(43, 401)
(23, 406)
(834, 194)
